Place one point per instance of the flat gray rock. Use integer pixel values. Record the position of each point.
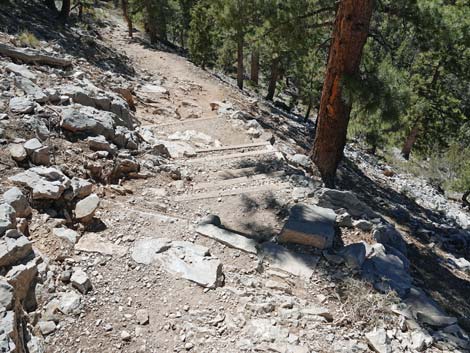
(7, 218)
(69, 302)
(145, 250)
(337, 199)
(309, 225)
(92, 242)
(378, 341)
(87, 120)
(21, 70)
(285, 260)
(15, 198)
(45, 183)
(66, 234)
(13, 250)
(22, 105)
(81, 188)
(228, 238)
(31, 89)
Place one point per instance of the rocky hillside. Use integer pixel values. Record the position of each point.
(149, 206)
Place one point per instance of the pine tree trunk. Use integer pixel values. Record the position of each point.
(309, 109)
(410, 141)
(125, 12)
(273, 79)
(349, 37)
(51, 4)
(254, 74)
(65, 10)
(240, 68)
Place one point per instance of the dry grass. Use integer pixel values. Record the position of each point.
(28, 39)
(363, 307)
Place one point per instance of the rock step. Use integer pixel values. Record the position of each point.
(242, 172)
(179, 122)
(233, 147)
(235, 192)
(235, 181)
(233, 156)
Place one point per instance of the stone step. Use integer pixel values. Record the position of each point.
(235, 192)
(240, 180)
(180, 122)
(233, 156)
(233, 147)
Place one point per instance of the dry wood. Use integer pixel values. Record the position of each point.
(33, 57)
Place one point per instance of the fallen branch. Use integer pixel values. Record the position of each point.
(32, 56)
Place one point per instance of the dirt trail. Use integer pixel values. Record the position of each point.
(244, 181)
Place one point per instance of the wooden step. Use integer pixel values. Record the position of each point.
(181, 122)
(235, 192)
(240, 180)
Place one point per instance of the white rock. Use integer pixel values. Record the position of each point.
(21, 105)
(379, 341)
(81, 281)
(69, 302)
(15, 198)
(68, 235)
(85, 209)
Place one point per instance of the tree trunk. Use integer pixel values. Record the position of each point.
(51, 4)
(349, 37)
(410, 141)
(125, 12)
(309, 109)
(65, 10)
(254, 73)
(273, 79)
(240, 67)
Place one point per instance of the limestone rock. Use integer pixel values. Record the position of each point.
(47, 327)
(228, 238)
(69, 302)
(145, 250)
(15, 198)
(81, 281)
(81, 188)
(87, 120)
(68, 235)
(92, 242)
(309, 225)
(288, 261)
(17, 152)
(6, 295)
(21, 70)
(21, 105)
(7, 218)
(379, 341)
(354, 255)
(142, 316)
(45, 183)
(85, 209)
(336, 199)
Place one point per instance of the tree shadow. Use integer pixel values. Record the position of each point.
(428, 242)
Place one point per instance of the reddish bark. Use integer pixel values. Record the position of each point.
(349, 37)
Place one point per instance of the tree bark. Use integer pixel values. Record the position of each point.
(125, 12)
(51, 4)
(240, 67)
(309, 109)
(349, 37)
(273, 79)
(254, 72)
(65, 10)
(410, 141)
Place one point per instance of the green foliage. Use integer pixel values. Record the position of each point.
(200, 36)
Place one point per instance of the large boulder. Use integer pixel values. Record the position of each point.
(309, 225)
(45, 183)
(89, 121)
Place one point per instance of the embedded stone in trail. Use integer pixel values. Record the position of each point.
(187, 260)
(309, 225)
(288, 261)
(21, 105)
(68, 235)
(145, 250)
(228, 238)
(92, 242)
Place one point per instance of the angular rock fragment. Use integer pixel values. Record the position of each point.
(145, 250)
(31, 89)
(68, 235)
(93, 243)
(21, 105)
(7, 218)
(69, 302)
(13, 250)
(285, 260)
(85, 209)
(17, 152)
(389, 236)
(15, 198)
(21, 70)
(379, 341)
(81, 188)
(309, 225)
(337, 199)
(81, 281)
(228, 238)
